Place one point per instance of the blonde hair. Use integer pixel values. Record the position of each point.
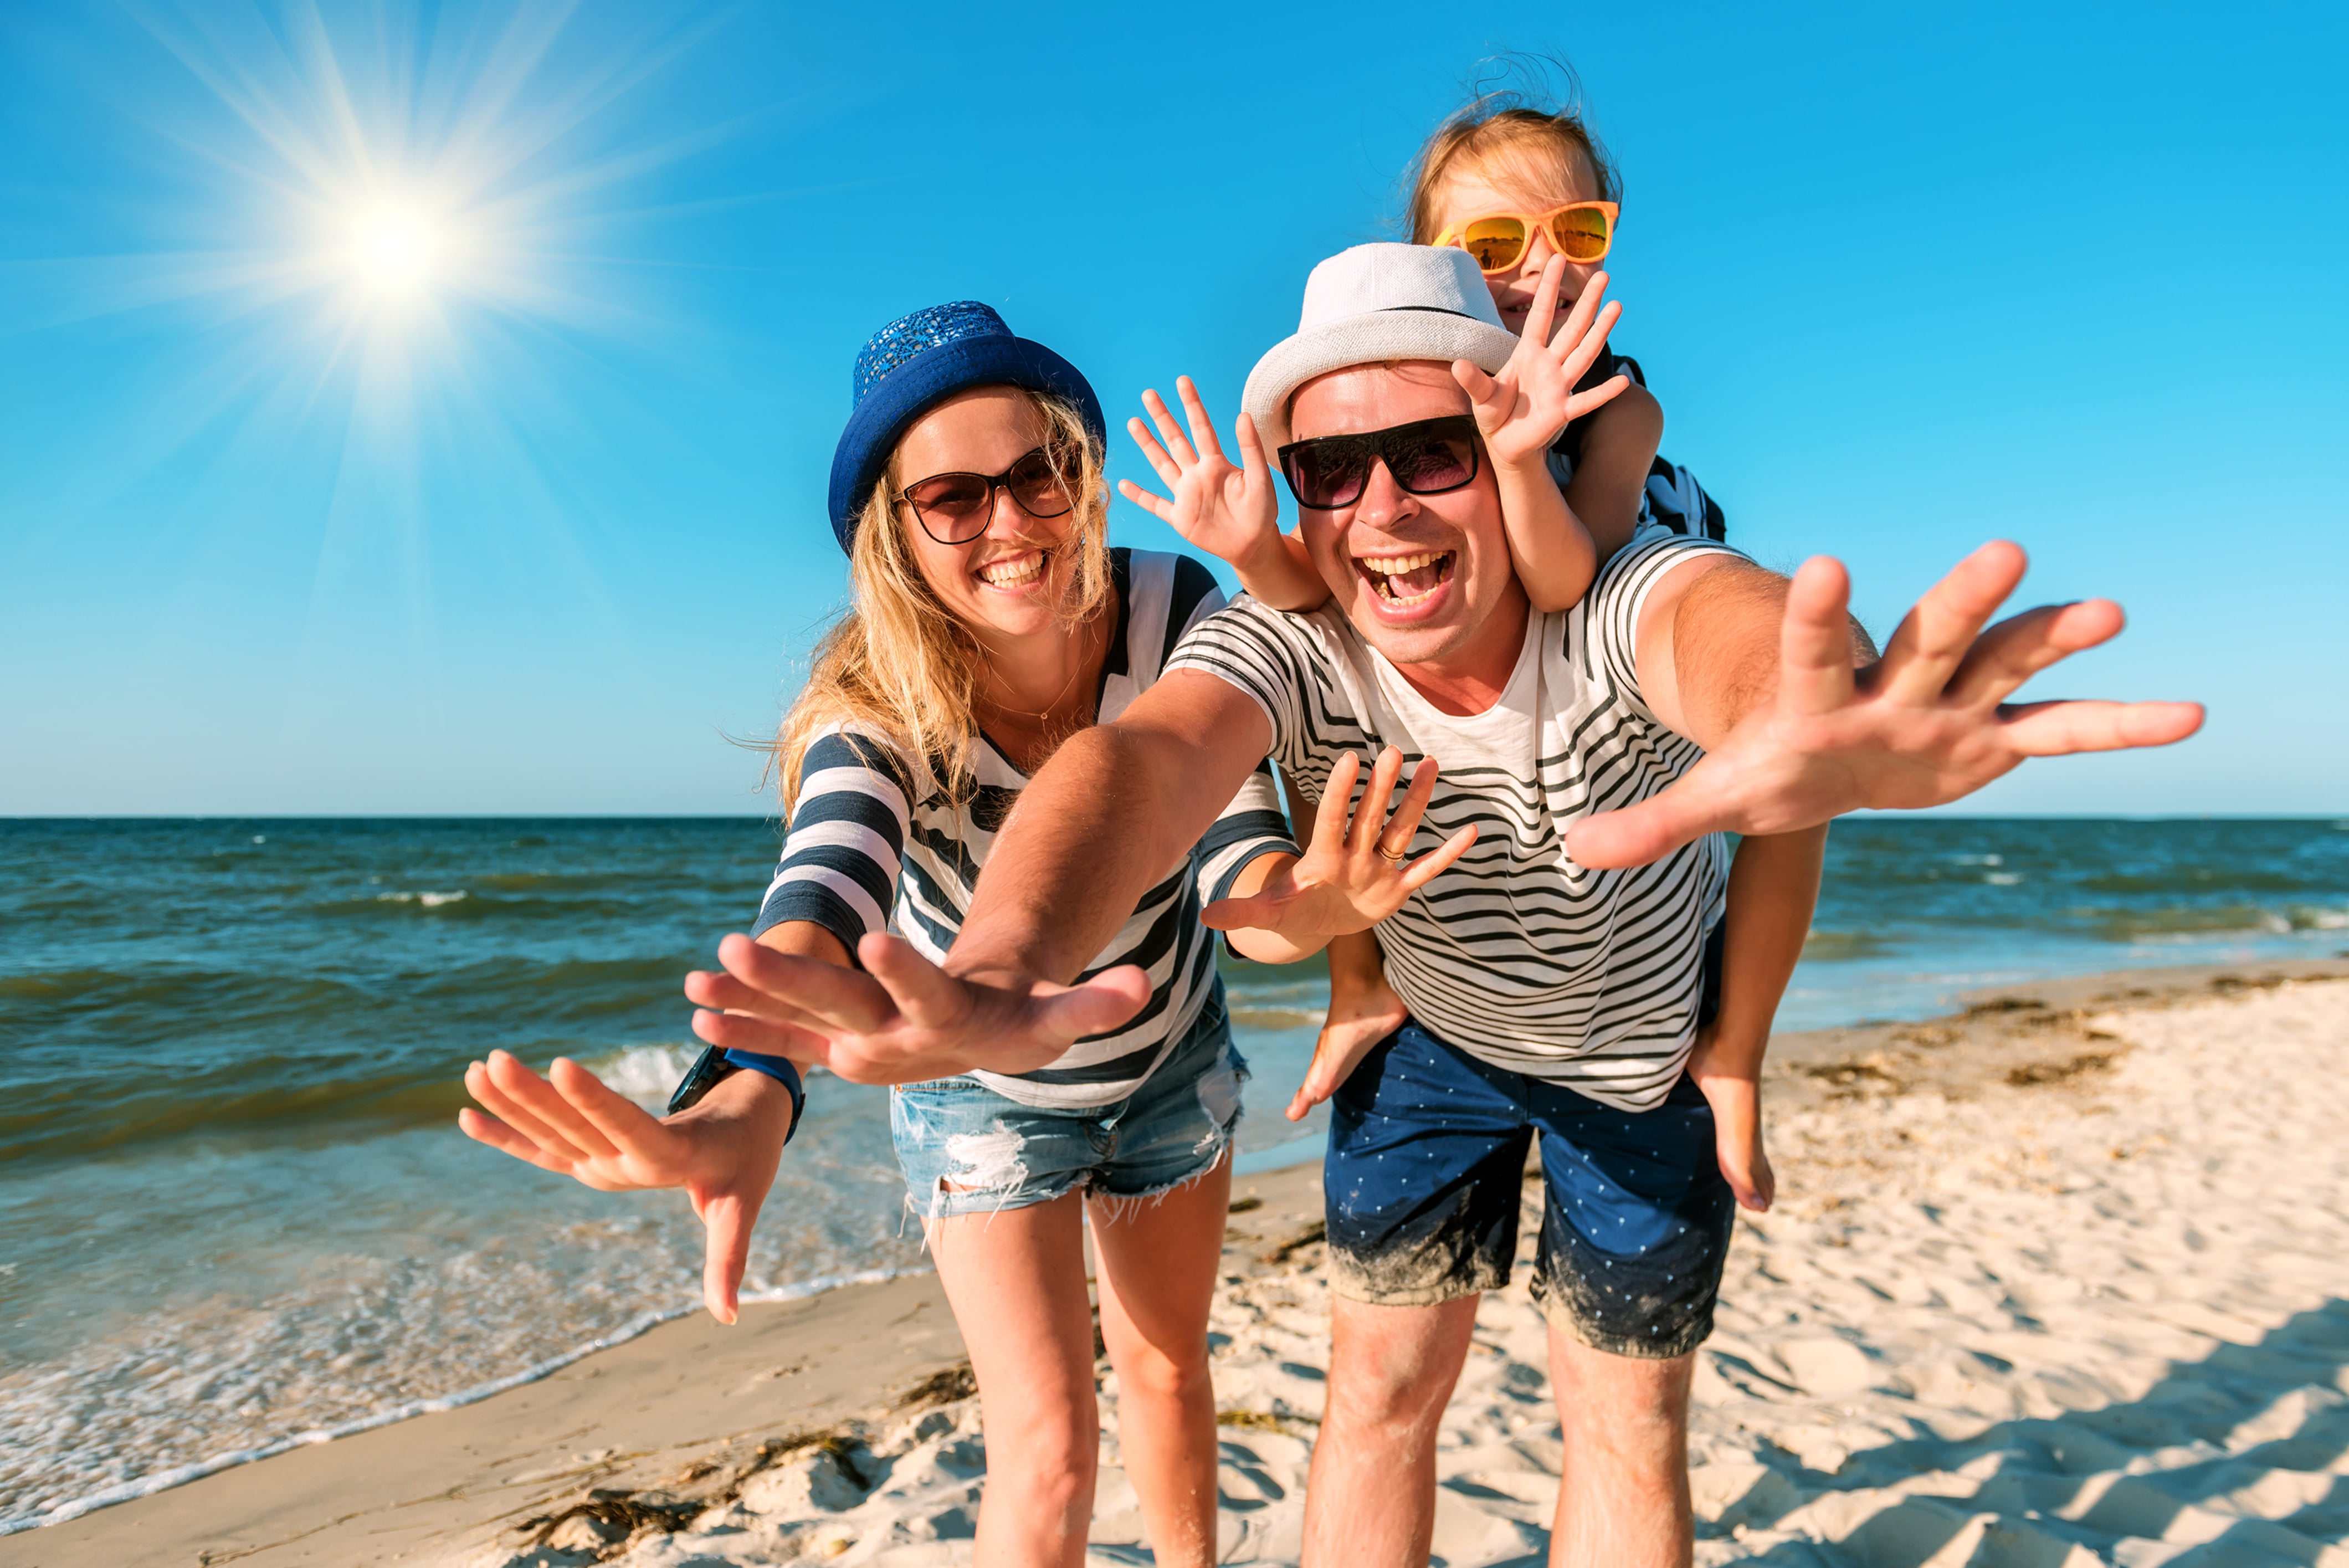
(898, 662)
(1505, 126)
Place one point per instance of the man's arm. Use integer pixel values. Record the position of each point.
(1758, 671)
(1117, 808)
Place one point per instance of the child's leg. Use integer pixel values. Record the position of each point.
(1774, 886)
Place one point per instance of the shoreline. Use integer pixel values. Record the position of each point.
(606, 1424)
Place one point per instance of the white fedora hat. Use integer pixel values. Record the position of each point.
(1372, 304)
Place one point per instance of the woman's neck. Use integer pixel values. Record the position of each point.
(1033, 691)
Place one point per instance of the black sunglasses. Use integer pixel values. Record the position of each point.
(955, 508)
(1427, 457)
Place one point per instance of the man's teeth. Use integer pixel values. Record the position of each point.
(1384, 569)
(1012, 574)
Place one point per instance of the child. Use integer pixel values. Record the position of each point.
(1532, 198)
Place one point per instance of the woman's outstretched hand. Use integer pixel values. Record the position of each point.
(1353, 875)
(1231, 511)
(1521, 410)
(723, 1151)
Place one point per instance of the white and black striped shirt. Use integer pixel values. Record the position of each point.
(861, 856)
(1518, 955)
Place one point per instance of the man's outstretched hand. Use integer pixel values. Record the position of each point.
(902, 1019)
(1926, 724)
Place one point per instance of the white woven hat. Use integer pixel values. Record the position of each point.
(1372, 304)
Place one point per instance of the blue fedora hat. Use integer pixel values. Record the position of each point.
(919, 359)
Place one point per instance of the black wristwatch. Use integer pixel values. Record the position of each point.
(714, 1066)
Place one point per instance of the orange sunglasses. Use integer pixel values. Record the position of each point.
(1581, 232)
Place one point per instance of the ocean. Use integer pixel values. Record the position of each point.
(236, 1210)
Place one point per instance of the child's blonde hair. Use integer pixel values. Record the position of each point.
(1510, 127)
(898, 662)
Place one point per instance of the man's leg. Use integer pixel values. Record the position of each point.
(1371, 1500)
(1623, 1494)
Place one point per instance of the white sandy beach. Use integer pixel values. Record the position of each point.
(2049, 1286)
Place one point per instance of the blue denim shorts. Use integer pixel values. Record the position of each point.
(967, 1150)
(1426, 1163)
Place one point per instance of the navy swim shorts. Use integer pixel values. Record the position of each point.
(1426, 1165)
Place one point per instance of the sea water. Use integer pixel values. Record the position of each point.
(235, 1209)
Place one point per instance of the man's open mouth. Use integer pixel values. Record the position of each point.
(1015, 571)
(1406, 579)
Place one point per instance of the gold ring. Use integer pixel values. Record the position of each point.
(1393, 856)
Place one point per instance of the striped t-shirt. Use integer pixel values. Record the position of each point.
(1515, 953)
(862, 856)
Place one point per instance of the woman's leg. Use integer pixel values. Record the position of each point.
(1015, 1280)
(1158, 1263)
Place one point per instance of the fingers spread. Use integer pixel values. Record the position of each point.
(1599, 396)
(1371, 816)
(1252, 458)
(923, 993)
(542, 1100)
(491, 1093)
(732, 1032)
(498, 1135)
(1203, 429)
(1403, 826)
(626, 1126)
(822, 991)
(1934, 636)
(2059, 728)
(1156, 505)
(1814, 644)
(2020, 645)
(1433, 864)
(1169, 432)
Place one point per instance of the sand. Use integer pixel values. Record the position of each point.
(2063, 1281)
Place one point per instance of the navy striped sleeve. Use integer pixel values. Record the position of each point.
(1611, 609)
(843, 854)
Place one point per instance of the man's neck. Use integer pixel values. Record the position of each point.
(1470, 679)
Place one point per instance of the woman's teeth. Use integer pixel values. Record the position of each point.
(1017, 572)
(1407, 579)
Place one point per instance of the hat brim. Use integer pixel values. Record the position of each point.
(1370, 339)
(909, 391)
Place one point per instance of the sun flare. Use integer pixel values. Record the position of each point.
(395, 247)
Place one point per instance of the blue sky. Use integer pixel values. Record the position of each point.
(547, 535)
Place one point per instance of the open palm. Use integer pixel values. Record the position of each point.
(574, 1124)
(1229, 510)
(1352, 874)
(1521, 410)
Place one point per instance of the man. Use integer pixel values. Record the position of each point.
(1553, 970)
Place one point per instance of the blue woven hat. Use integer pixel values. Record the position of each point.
(919, 359)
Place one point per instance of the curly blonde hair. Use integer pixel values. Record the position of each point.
(897, 661)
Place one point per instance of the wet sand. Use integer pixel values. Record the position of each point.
(2060, 1279)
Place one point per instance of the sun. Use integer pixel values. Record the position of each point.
(395, 247)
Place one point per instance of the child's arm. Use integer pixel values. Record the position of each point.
(1774, 886)
(1618, 450)
(1520, 411)
(1363, 1009)
(1231, 513)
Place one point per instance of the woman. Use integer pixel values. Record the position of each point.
(990, 622)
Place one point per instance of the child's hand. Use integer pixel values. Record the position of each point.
(1349, 878)
(1522, 409)
(1233, 513)
(1737, 1101)
(1359, 1019)
(723, 1151)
